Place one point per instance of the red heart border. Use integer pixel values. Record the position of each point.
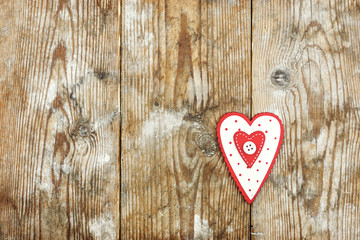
(250, 123)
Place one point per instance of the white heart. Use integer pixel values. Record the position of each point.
(250, 180)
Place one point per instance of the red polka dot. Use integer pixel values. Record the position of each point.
(259, 125)
(230, 155)
(239, 129)
(259, 161)
(225, 129)
(249, 190)
(257, 170)
(266, 131)
(235, 120)
(230, 142)
(266, 162)
(238, 163)
(257, 180)
(240, 174)
(270, 120)
(267, 148)
(249, 179)
(275, 137)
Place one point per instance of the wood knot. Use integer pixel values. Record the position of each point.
(82, 129)
(280, 77)
(193, 118)
(207, 145)
(101, 74)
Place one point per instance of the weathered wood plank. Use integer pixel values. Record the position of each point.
(59, 149)
(306, 69)
(184, 64)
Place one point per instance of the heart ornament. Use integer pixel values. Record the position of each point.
(250, 148)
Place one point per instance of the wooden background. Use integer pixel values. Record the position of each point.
(108, 112)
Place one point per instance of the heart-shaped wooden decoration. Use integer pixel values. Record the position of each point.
(250, 148)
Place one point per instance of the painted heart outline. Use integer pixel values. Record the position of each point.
(250, 180)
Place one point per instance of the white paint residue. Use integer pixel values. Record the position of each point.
(45, 187)
(103, 228)
(55, 167)
(51, 93)
(149, 41)
(66, 168)
(322, 138)
(162, 123)
(142, 41)
(257, 234)
(347, 44)
(103, 122)
(37, 94)
(44, 178)
(104, 159)
(229, 229)
(202, 229)
(233, 3)
(132, 14)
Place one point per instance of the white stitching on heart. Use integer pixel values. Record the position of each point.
(258, 152)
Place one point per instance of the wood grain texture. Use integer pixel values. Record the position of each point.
(59, 149)
(184, 64)
(306, 70)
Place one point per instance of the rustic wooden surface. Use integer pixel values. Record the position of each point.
(306, 70)
(184, 64)
(108, 111)
(59, 175)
